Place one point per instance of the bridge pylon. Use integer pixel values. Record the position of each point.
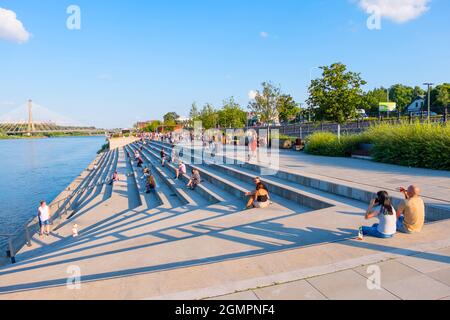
(31, 127)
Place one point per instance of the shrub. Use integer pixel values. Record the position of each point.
(413, 145)
(417, 145)
(328, 144)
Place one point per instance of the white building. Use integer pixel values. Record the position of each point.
(416, 106)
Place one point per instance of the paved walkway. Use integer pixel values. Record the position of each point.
(434, 184)
(407, 278)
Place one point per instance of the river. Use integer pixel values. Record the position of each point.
(39, 169)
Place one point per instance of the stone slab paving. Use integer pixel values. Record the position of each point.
(398, 281)
(434, 183)
(195, 253)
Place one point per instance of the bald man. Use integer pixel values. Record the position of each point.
(411, 211)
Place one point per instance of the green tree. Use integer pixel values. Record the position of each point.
(170, 117)
(231, 115)
(152, 126)
(194, 113)
(440, 97)
(287, 108)
(208, 116)
(402, 95)
(265, 104)
(337, 94)
(372, 99)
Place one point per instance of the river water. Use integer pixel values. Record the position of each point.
(39, 169)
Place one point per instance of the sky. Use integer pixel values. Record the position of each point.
(135, 60)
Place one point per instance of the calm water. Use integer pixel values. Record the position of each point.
(39, 169)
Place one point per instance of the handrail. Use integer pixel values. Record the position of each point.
(60, 212)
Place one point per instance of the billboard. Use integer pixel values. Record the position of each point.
(388, 106)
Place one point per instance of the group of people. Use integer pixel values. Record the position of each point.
(409, 217)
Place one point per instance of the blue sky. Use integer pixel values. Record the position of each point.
(138, 59)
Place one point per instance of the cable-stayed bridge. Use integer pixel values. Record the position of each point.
(31, 118)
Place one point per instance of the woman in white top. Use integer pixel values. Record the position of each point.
(387, 227)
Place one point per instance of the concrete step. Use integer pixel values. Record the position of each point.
(239, 188)
(88, 181)
(192, 199)
(205, 191)
(168, 198)
(96, 183)
(280, 188)
(150, 200)
(436, 210)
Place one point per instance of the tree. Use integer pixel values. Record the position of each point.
(402, 95)
(440, 97)
(231, 115)
(372, 99)
(208, 116)
(266, 102)
(336, 95)
(152, 126)
(170, 117)
(194, 113)
(287, 108)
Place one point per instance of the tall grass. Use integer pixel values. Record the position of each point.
(413, 145)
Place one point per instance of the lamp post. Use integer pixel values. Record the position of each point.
(429, 85)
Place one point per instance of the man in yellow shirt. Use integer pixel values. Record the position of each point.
(411, 212)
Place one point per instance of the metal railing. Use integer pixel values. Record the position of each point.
(62, 208)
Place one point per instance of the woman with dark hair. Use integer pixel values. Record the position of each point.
(260, 199)
(387, 227)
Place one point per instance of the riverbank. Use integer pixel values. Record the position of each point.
(56, 206)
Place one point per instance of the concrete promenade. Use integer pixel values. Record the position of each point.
(182, 244)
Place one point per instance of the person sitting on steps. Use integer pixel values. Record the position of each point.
(195, 179)
(256, 181)
(180, 170)
(386, 228)
(411, 211)
(150, 183)
(260, 198)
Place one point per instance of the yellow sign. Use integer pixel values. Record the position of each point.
(388, 106)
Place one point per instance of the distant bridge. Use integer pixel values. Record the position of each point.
(30, 127)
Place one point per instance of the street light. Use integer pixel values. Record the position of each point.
(429, 85)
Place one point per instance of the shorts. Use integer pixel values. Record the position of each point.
(261, 205)
(44, 223)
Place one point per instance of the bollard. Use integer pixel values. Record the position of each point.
(11, 254)
(28, 237)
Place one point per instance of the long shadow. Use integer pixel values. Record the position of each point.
(93, 234)
(101, 176)
(296, 237)
(155, 233)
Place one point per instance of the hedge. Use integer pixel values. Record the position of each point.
(413, 145)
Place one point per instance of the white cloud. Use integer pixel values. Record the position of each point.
(264, 34)
(252, 94)
(11, 28)
(399, 11)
